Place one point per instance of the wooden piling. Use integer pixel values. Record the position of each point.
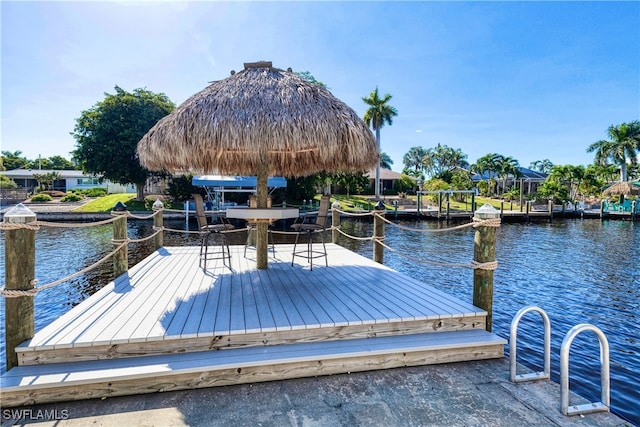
(120, 258)
(335, 222)
(484, 251)
(158, 224)
(378, 233)
(20, 267)
(448, 206)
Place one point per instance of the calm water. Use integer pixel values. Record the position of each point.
(577, 271)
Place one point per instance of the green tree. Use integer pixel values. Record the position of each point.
(385, 161)
(507, 166)
(487, 166)
(623, 145)
(53, 162)
(377, 115)
(46, 180)
(61, 163)
(108, 133)
(412, 160)
(543, 166)
(441, 160)
(13, 160)
(180, 188)
(7, 183)
(351, 181)
(306, 75)
(570, 176)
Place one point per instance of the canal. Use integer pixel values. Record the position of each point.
(578, 271)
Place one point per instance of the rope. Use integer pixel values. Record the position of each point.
(13, 293)
(352, 213)
(475, 223)
(350, 236)
(474, 265)
(34, 225)
(427, 230)
(143, 217)
(492, 222)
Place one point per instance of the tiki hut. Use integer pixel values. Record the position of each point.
(622, 188)
(260, 121)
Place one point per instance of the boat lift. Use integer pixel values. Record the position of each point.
(217, 185)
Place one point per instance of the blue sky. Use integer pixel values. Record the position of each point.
(531, 80)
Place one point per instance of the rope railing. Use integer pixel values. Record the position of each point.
(7, 293)
(35, 225)
(476, 222)
(474, 265)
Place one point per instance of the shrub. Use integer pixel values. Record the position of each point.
(95, 192)
(54, 193)
(71, 197)
(42, 197)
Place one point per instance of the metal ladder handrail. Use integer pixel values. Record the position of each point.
(603, 405)
(533, 376)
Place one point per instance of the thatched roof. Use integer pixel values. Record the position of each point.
(624, 188)
(260, 114)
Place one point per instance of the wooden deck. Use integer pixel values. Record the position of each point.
(167, 317)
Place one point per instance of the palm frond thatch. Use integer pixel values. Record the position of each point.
(622, 188)
(261, 116)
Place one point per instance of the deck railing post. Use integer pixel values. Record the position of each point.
(484, 251)
(120, 258)
(158, 224)
(335, 222)
(20, 268)
(378, 233)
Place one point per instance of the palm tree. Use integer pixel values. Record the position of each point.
(385, 160)
(378, 114)
(543, 166)
(487, 165)
(623, 145)
(413, 161)
(507, 165)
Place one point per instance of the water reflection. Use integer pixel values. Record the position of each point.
(577, 271)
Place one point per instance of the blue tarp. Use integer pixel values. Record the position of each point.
(236, 181)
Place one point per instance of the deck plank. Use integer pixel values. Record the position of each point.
(167, 296)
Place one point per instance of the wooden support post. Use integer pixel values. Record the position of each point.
(550, 210)
(521, 194)
(262, 227)
(473, 202)
(528, 208)
(448, 205)
(158, 224)
(121, 258)
(335, 222)
(633, 209)
(439, 203)
(484, 250)
(20, 268)
(378, 232)
(501, 209)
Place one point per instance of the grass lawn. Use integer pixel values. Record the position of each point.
(106, 203)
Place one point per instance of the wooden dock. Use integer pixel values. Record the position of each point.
(169, 325)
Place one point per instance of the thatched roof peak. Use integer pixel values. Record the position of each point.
(260, 115)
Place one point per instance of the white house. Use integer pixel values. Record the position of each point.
(71, 180)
